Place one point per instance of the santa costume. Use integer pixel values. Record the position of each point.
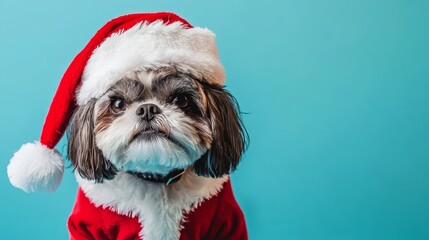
(128, 207)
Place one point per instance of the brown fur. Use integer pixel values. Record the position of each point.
(86, 158)
(229, 134)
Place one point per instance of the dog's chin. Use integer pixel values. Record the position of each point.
(153, 152)
(149, 136)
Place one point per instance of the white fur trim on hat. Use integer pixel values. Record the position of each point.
(35, 167)
(150, 46)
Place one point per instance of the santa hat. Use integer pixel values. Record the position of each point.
(125, 44)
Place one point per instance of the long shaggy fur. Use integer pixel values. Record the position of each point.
(229, 134)
(85, 156)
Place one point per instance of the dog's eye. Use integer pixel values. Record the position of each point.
(118, 104)
(180, 100)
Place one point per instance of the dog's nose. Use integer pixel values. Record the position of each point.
(148, 111)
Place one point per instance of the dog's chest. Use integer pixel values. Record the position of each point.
(152, 210)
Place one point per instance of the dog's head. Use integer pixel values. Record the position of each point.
(156, 121)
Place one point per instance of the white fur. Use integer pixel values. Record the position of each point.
(35, 167)
(159, 208)
(155, 155)
(149, 46)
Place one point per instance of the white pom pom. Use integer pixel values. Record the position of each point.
(35, 167)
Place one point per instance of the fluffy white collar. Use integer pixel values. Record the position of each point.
(159, 208)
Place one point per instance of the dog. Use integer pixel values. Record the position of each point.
(148, 125)
(153, 135)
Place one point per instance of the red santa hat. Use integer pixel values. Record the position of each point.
(129, 43)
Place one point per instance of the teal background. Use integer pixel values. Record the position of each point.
(337, 96)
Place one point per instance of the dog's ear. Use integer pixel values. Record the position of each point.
(85, 156)
(229, 134)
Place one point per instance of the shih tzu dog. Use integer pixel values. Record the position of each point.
(150, 130)
(153, 135)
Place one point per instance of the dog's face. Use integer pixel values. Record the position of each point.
(156, 121)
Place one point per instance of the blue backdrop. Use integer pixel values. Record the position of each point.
(337, 96)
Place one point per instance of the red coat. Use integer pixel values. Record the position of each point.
(219, 217)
